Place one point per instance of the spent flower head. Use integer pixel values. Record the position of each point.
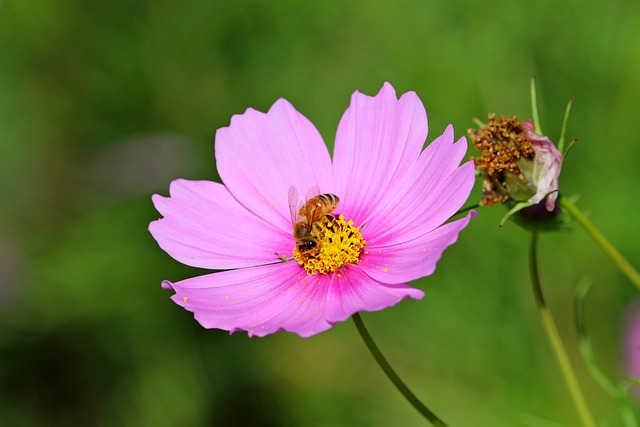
(516, 163)
(363, 225)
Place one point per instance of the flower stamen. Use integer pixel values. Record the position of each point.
(339, 243)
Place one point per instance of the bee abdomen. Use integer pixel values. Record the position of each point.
(330, 198)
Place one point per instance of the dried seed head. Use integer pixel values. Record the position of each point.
(505, 156)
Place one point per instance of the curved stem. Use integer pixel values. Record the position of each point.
(616, 392)
(555, 342)
(391, 374)
(617, 258)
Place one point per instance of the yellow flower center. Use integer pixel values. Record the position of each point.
(338, 243)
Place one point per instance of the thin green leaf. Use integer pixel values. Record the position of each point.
(567, 111)
(534, 107)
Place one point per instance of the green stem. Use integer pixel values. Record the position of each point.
(555, 342)
(616, 392)
(617, 258)
(391, 374)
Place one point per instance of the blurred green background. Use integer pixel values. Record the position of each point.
(104, 103)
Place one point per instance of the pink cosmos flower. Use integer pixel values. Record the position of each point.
(547, 164)
(631, 346)
(388, 228)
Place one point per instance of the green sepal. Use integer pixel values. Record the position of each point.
(516, 208)
(534, 217)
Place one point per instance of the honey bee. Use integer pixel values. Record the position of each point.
(310, 218)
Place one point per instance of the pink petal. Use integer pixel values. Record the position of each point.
(377, 143)
(351, 291)
(204, 226)
(260, 155)
(282, 297)
(413, 259)
(631, 345)
(547, 165)
(260, 300)
(435, 190)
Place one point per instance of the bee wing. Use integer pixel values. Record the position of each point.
(295, 203)
(313, 191)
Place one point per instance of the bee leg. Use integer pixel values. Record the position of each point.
(282, 257)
